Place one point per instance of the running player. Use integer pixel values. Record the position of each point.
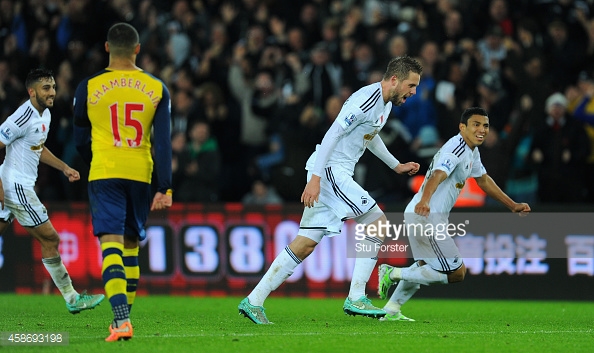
(24, 134)
(331, 196)
(438, 260)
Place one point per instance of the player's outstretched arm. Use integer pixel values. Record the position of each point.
(47, 157)
(488, 185)
(410, 168)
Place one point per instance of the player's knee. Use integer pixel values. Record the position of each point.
(50, 240)
(302, 246)
(458, 275)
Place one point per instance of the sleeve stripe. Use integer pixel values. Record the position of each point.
(25, 117)
(370, 102)
(459, 150)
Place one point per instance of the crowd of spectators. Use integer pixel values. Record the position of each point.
(256, 83)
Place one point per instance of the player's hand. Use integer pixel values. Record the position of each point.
(161, 201)
(522, 209)
(311, 193)
(422, 209)
(410, 168)
(71, 174)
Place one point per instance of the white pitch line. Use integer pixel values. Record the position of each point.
(441, 333)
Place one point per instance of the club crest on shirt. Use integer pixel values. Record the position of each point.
(6, 133)
(350, 119)
(448, 165)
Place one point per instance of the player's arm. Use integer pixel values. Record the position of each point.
(437, 177)
(47, 157)
(82, 124)
(162, 147)
(311, 192)
(379, 149)
(488, 185)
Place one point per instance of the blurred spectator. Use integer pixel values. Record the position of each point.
(261, 194)
(201, 164)
(324, 76)
(9, 90)
(581, 106)
(495, 100)
(356, 71)
(564, 54)
(559, 151)
(178, 149)
(183, 111)
(492, 50)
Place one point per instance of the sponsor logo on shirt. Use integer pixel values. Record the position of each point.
(448, 165)
(6, 133)
(350, 119)
(37, 148)
(364, 200)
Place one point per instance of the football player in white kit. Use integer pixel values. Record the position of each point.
(331, 196)
(438, 260)
(23, 134)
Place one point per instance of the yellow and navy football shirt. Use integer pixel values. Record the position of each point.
(115, 112)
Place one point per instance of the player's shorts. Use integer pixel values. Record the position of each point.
(341, 198)
(119, 206)
(437, 249)
(21, 202)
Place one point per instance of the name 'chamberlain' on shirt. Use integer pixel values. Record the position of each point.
(122, 83)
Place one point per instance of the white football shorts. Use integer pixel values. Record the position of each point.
(341, 198)
(21, 202)
(429, 243)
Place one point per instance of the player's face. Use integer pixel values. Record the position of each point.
(43, 93)
(404, 89)
(475, 131)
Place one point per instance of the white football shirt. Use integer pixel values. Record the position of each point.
(459, 162)
(24, 134)
(362, 116)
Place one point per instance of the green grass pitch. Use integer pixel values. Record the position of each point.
(196, 324)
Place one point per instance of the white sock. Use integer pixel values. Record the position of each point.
(61, 278)
(403, 292)
(423, 275)
(282, 267)
(361, 273)
(363, 269)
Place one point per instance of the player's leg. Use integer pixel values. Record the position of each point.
(441, 264)
(107, 198)
(285, 263)
(131, 267)
(348, 200)
(403, 292)
(138, 208)
(22, 203)
(364, 265)
(114, 281)
(52, 261)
